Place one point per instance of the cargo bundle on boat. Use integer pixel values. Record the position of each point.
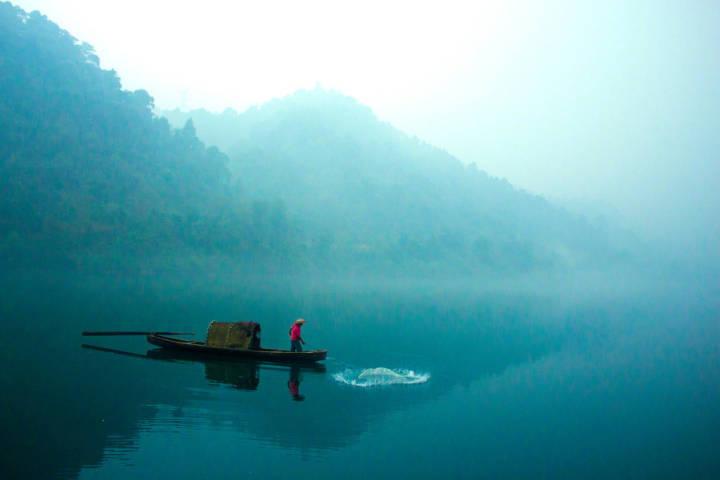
(234, 335)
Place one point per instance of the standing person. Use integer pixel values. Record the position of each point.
(296, 340)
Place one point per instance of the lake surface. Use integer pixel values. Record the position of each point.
(534, 379)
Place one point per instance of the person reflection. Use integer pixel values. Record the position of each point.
(294, 384)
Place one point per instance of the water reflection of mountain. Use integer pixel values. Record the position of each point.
(68, 407)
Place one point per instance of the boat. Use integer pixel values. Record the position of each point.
(235, 339)
(173, 355)
(264, 354)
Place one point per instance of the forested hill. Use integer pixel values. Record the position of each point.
(361, 189)
(87, 168)
(90, 175)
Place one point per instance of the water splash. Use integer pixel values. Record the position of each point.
(373, 377)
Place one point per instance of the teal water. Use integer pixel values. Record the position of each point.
(563, 381)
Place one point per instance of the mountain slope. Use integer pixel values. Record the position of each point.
(88, 167)
(360, 188)
(312, 180)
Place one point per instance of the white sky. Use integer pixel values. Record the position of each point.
(616, 102)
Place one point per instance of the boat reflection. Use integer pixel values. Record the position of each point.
(243, 375)
(238, 373)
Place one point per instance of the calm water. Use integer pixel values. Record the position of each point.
(568, 381)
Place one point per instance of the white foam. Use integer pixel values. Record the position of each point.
(374, 377)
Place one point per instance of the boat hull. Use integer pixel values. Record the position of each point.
(264, 354)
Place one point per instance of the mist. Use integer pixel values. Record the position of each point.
(479, 240)
(607, 109)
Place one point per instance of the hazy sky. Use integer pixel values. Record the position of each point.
(613, 102)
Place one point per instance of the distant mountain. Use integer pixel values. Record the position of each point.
(361, 190)
(86, 167)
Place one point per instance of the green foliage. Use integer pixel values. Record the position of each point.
(86, 166)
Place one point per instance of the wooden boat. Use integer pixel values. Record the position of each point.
(264, 354)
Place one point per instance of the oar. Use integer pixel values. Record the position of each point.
(101, 334)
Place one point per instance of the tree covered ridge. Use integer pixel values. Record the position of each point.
(311, 180)
(87, 166)
(361, 189)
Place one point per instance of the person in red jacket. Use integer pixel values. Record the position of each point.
(296, 340)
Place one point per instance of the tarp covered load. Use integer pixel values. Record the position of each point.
(234, 335)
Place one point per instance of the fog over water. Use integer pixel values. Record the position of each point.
(513, 381)
(610, 108)
(498, 219)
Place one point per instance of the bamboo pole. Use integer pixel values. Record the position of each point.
(114, 333)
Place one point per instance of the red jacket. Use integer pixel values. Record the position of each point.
(295, 332)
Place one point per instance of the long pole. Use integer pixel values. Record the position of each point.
(112, 333)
